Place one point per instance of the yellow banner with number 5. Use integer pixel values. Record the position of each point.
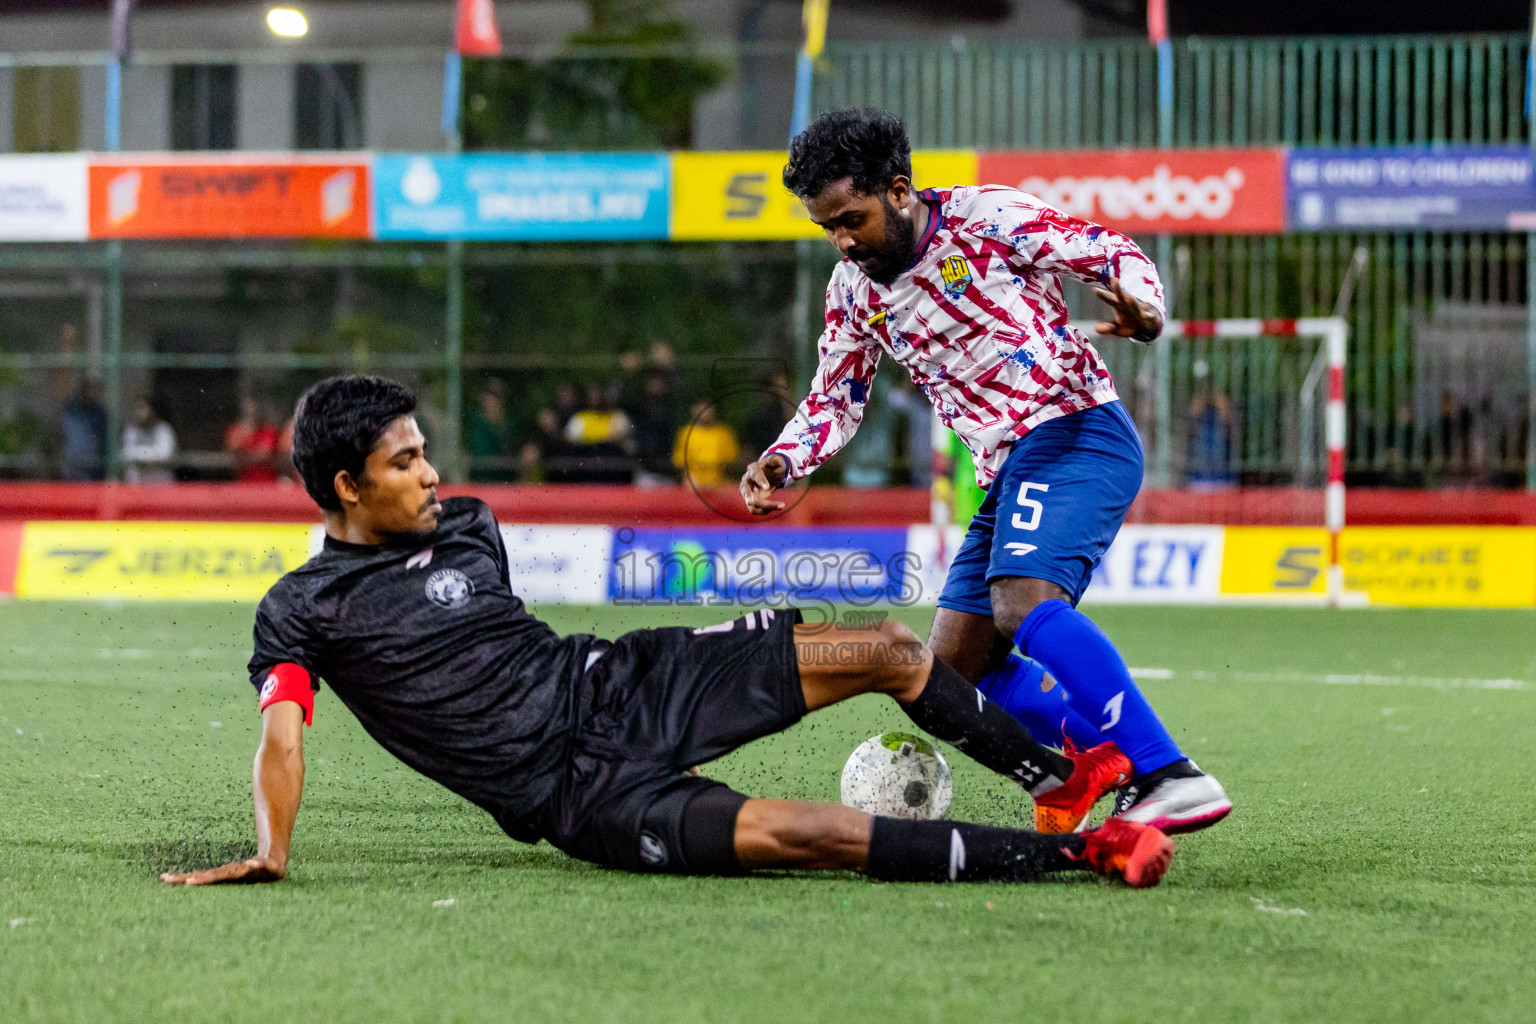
(1419, 566)
(740, 195)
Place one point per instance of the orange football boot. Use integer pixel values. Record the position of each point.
(1134, 853)
(1095, 772)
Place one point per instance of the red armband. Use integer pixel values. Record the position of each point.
(289, 682)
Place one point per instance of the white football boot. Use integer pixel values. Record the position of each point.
(1173, 799)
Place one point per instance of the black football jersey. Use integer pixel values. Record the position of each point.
(439, 660)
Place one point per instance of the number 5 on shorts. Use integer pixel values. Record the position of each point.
(1035, 508)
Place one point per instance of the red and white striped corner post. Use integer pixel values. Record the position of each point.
(1334, 495)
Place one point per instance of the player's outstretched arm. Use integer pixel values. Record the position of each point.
(1133, 318)
(278, 785)
(759, 482)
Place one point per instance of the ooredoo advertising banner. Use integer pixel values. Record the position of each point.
(1466, 188)
(527, 196)
(163, 196)
(1179, 191)
(42, 198)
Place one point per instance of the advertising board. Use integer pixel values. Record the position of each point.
(43, 198)
(532, 196)
(1467, 188)
(1181, 191)
(159, 195)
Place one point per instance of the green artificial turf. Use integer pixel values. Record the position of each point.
(1378, 867)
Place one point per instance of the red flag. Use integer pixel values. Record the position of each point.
(476, 34)
(1157, 21)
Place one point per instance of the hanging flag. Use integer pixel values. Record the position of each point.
(122, 42)
(813, 15)
(476, 34)
(1157, 21)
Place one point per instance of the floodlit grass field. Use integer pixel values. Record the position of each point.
(1379, 865)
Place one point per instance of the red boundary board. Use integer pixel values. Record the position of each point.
(10, 554)
(678, 506)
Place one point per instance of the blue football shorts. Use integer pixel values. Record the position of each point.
(1053, 509)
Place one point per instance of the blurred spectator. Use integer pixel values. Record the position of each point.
(1455, 435)
(598, 422)
(252, 442)
(149, 445)
(488, 436)
(915, 415)
(868, 457)
(1209, 465)
(600, 433)
(83, 423)
(655, 417)
(567, 402)
(705, 448)
(766, 420)
(548, 457)
(287, 472)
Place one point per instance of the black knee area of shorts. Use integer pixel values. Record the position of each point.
(709, 832)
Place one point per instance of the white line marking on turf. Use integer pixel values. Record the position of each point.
(1334, 679)
(442, 903)
(1258, 904)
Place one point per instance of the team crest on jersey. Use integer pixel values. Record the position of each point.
(957, 275)
(269, 687)
(449, 588)
(652, 850)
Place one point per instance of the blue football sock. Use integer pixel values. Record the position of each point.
(1016, 689)
(1098, 685)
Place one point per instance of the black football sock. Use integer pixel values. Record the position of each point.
(958, 851)
(951, 709)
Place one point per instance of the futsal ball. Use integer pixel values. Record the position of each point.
(898, 775)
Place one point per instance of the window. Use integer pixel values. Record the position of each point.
(203, 106)
(46, 110)
(327, 108)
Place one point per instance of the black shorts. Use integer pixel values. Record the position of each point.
(657, 703)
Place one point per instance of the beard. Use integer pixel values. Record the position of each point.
(896, 252)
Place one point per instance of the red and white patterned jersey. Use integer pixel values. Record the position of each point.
(979, 321)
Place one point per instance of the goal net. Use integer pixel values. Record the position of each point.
(1243, 425)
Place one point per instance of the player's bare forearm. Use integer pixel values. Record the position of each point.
(277, 787)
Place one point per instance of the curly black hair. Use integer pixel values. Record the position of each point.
(336, 423)
(868, 145)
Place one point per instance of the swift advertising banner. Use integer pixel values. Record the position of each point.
(740, 196)
(1179, 191)
(528, 196)
(1463, 188)
(43, 198)
(163, 196)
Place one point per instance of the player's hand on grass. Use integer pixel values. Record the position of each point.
(1133, 318)
(759, 482)
(255, 869)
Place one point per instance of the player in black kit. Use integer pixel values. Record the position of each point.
(408, 614)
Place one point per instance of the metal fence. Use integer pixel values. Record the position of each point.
(1367, 91)
(1418, 411)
